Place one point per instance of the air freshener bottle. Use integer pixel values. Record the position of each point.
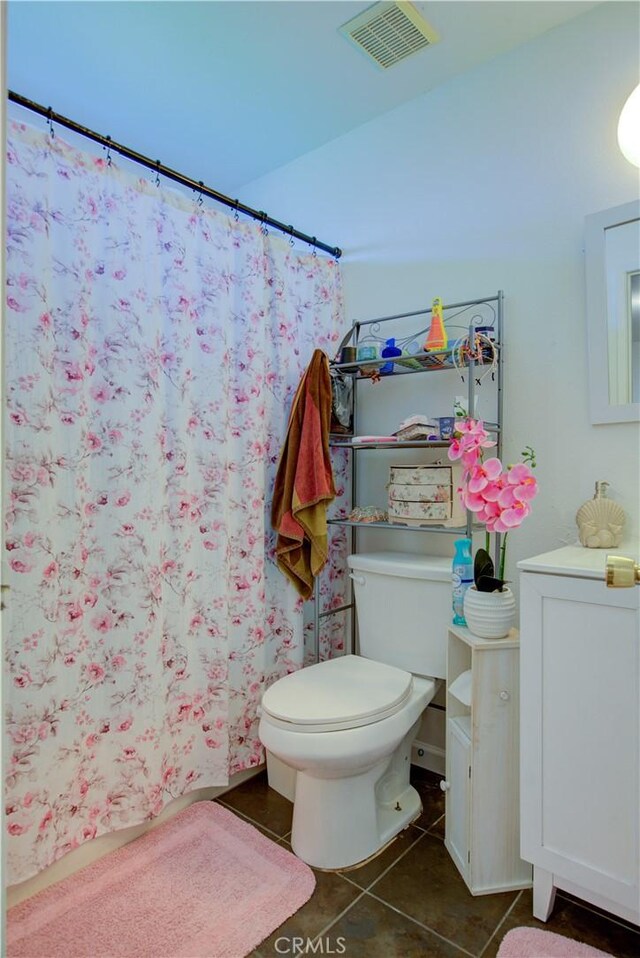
(461, 577)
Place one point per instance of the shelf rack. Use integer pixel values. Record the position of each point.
(427, 363)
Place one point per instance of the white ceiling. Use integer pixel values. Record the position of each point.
(226, 91)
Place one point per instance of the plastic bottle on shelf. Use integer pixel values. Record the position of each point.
(461, 577)
(389, 350)
(437, 336)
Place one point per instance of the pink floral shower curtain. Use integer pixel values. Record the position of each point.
(152, 350)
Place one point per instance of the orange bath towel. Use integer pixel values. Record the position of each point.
(304, 482)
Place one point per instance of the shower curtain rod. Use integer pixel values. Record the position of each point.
(170, 174)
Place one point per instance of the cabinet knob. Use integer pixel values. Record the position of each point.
(444, 785)
(358, 579)
(505, 696)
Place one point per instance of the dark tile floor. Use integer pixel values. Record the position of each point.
(410, 900)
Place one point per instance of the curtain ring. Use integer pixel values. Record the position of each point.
(315, 251)
(291, 243)
(200, 199)
(263, 217)
(108, 149)
(236, 215)
(157, 179)
(52, 132)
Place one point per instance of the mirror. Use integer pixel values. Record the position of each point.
(612, 259)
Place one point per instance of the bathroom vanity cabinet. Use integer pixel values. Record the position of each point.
(580, 741)
(481, 785)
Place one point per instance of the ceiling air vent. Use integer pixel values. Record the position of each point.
(390, 32)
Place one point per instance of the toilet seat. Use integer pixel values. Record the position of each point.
(343, 693)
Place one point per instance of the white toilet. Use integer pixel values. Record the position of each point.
(338, 734)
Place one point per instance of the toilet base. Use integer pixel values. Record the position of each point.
(371, 858)
(341, 822)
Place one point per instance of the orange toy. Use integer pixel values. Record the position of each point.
(437, 336)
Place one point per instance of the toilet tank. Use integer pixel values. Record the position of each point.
(404, 611)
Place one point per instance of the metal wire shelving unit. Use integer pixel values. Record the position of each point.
(418, 362)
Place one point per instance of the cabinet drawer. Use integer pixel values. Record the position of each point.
(431, 493)
(421, 475)
(418, 511)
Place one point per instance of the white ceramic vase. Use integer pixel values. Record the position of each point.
(489, 614)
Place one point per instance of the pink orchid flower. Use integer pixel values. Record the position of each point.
(469, 439)
(473, 501)
(483, 474)
(522, 478)
(493, 489)
(512, 517)
(499, 498)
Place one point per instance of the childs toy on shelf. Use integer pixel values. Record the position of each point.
(437, 336)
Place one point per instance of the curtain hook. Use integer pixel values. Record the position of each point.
(107, 147)
(263, 228)
(236, 215)
(291, 243)
(157, 180)
(200, 199)
(52, 132)
(315, 251)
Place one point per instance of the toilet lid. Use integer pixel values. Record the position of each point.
(342, 693)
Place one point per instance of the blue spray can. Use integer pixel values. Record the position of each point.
(462, 578)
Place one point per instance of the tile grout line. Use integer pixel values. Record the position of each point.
(392, 865)
(337, 918)
(367, 891)
(428, 830)
(501, 922)
(415, 921)
(607, 916)
(363, 891)
(252, 821)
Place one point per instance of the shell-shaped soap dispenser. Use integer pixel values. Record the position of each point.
(600, 520)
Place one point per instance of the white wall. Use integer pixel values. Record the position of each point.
(484, 184)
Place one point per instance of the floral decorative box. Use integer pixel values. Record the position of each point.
(424, 495)
(418, 511)
(423, 475)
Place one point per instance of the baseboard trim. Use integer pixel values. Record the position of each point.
(431, 757)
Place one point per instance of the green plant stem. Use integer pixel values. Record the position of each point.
(503, 556)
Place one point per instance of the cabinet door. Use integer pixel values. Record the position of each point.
(579, 733)
(458, 803)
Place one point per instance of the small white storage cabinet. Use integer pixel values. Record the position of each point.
(580, 694)
(481, 785)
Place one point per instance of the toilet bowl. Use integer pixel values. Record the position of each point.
(341, 731)
(346, 727)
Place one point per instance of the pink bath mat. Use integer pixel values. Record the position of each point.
(203, 885)
(537, 943)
